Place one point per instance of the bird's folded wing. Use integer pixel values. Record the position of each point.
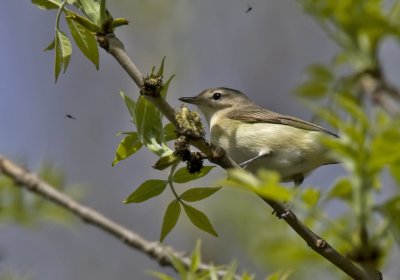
(260, 115)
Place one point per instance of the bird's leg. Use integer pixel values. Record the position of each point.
(261, 154)
(298, 179)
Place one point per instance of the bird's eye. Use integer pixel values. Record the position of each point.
(217, 96)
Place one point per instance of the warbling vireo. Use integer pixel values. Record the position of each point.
(255, 137)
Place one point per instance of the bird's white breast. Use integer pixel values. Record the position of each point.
(291, 150)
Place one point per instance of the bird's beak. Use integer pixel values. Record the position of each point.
(192, 100)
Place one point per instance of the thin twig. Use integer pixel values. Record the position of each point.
(218, 156)
(155, 250)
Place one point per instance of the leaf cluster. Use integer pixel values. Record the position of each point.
(369, 142)
(195, 272)
(154, 187)
(368, 147)
(150, 131)
(84, 27)
(357, 27)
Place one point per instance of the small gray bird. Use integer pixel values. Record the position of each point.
(255, 137)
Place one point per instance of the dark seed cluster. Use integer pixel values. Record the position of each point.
(193, 160)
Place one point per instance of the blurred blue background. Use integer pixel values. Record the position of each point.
(207, 43)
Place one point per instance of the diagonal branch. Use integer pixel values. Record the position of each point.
(153, 249)
(218, 156)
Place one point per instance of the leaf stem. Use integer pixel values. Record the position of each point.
(170, 181)
(60, 10)
(102, 12)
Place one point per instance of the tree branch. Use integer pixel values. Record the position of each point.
(153, 249)
(218, 156)
(116, 48)
(322, 247)
(374, 85)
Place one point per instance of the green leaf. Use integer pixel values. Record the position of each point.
(311, 197)
(395, 171)
(312, 89)
(125, 133)
(247, 276)
(91, 9)
(130, 104)
(119, 22)
(273, 190)
(171, 217)
(385, 149)
(46, 4)
(165, 88)
(211, 273)
(341, 58)
(342, 190)
(84, 21)
(51, 46)
(170, 132)
(230, 271)
(85, 40)
(280, 275)
(240, 177)
(364, 42)
(149, 127)
(394, 14)
(160, 275)
(129, 145)
(183, 175)
(63, 51)
(160, 71)
(195, 259)
(66, 49)
(199, 219)
(146, 190)
(391, 210)
(197, 194)
(340, 147)
(58, 59)
(266, 184)
(166, 161)
(320, 73)
(179, 266)
(351, 106)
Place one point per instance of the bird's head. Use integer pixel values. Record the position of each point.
(213, 100)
